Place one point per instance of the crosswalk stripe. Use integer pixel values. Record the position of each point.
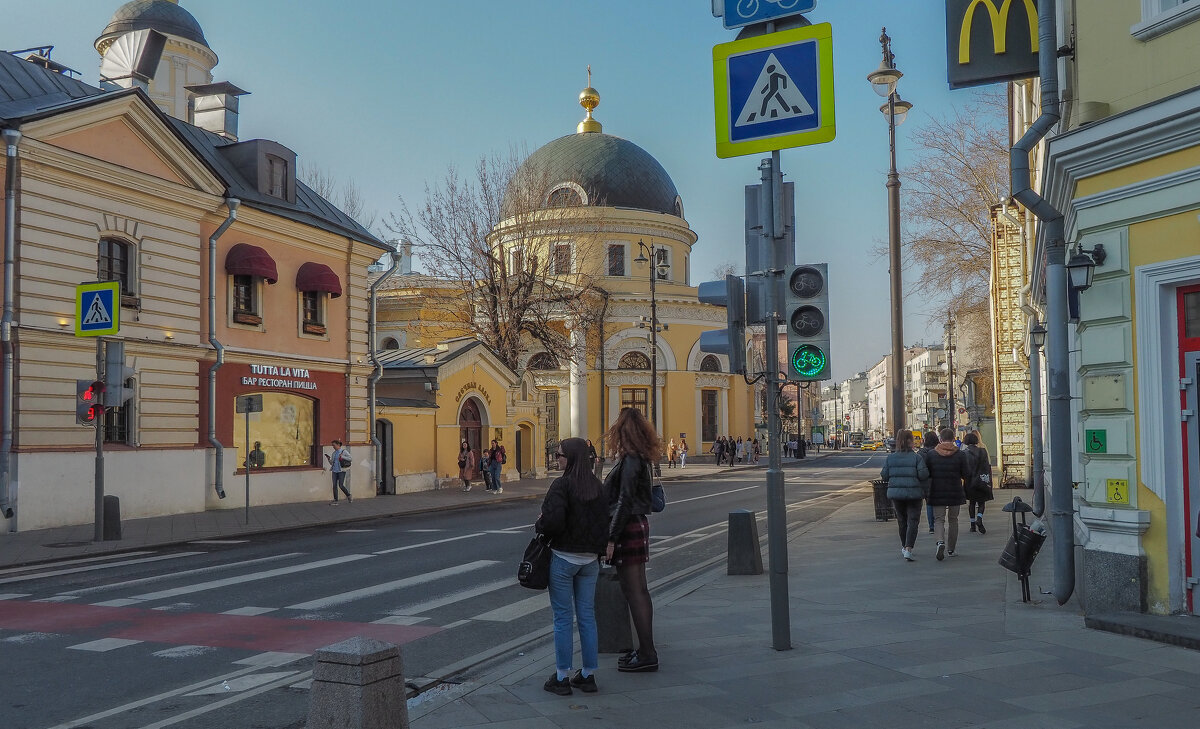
(399, 620)
(430, 544)
(437, 602)
(248, 610)
(271, 659)
(90, 568)
(515, 610)
(252, 577)
(13, 595)
(101, 558)
(182, 573)
(103, 645)
(345, 597)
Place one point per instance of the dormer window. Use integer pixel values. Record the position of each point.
(277, 176)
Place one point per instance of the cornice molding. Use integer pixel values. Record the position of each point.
(631, 378)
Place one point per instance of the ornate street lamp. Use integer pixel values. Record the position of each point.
(659, 269)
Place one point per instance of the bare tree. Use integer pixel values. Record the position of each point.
(347, 196)
(514, 260)
(723, 269)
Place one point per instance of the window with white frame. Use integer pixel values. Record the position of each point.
(1163, 16)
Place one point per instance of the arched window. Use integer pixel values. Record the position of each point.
(710, 364)
(542, 361)
(391, 343)
(634, 361)
(564, 197)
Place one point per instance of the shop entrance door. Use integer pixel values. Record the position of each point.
(1191, 477)
(386, 483)
(470, 426)
(520, 454)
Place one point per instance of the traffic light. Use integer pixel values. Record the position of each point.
(89, 402)
(806, 311)
(118, 389)
(731, 341)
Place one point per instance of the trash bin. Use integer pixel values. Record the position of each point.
(884, 508)
(1023, 545)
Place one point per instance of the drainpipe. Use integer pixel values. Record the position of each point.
(232, 203)
(1062, 512)
(377, 372)
(11, 139)
(603, 395)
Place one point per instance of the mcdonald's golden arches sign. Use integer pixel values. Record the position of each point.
(990, 40)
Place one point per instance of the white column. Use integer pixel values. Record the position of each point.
(614, 405)
(723, 404)
(699, 432)
(579, 407)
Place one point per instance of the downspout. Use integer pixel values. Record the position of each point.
(1062, 514)
(12, 138)
(377, 371)
(603, 394)
(232, 203)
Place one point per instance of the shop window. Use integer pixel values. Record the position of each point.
(616, 259)
(245, 300)
(312, 308)
(284, 431)
(710, 363)
(708, 415)
(636, 397)
(115, 263)
(634, 361)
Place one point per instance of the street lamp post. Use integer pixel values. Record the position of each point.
(883, 80)
(657, 268)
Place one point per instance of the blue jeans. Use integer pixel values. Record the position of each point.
(495, 470)
(574, 583)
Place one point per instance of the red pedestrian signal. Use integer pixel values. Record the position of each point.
(89, 401)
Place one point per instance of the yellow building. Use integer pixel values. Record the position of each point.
(622, 205)
(1125, 172)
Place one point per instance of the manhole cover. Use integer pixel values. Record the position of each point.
(60, 545)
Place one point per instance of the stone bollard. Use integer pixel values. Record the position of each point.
(358, 684)
(112, 518)
(613, 627)
(745, 557)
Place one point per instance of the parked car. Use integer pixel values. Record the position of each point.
(871, 445)
(890, 444)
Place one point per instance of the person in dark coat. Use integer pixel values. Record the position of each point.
(908, 485)
(979, 488)
(575, 518)
(929, 443)
(949, 471)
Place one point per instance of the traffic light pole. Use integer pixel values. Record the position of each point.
(99, 426)
(772, 202)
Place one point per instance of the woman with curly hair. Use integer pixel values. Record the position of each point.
(636, 446)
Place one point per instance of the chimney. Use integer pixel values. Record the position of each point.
(405, 249)
(215, 107)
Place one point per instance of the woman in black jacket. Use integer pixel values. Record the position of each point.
(979, 488)
(637, 447)
(575, 518)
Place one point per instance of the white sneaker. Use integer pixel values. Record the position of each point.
(941, 551)
(500, 490)
(907, 554)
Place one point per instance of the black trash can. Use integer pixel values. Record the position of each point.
(1021, 549)
(884, 508)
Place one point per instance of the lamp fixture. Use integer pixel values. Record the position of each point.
(901, 107)
(64, 323)
(1082, 266)
(168, 336)
(1037, 334)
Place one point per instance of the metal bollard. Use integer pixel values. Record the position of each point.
(358, 684)
(112, 518)
(613, 627)
(745, 556)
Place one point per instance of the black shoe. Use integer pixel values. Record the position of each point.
(979, 524)
(638, 664)
(554, 686)
(627, 658)
(586, 685)
(973, 527)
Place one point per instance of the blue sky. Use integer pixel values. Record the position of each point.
(390, 93)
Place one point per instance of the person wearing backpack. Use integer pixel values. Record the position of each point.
(339, 464)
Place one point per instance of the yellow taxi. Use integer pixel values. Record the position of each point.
(873, 445)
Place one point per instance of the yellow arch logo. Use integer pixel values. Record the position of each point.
(999, 20)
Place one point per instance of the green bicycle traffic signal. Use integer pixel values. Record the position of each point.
(806, 311)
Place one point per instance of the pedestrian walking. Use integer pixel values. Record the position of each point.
(741, 450)
(466, 464)
(949, 471)
(339, 464)
(907, 477)
(574, 518)
(672, 453)
(718, 449)
(757, 450)
(683, 451)
(628, 485)
(979, 488)
(496, 459)
(593, 458)
(929, 443)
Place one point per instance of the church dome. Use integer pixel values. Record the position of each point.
(165, 16)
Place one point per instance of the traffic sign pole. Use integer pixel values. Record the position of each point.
(98, 535)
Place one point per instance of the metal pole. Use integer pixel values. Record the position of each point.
(247, 465)
(893, 187)
(99, 426)
(950, 376)
(781, 631)
(1038, 480)
(653, 341)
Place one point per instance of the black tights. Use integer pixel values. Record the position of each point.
(637, 595)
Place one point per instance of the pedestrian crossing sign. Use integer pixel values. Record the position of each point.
(97, 308)
(774, 91)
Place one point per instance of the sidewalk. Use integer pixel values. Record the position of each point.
(43, 545)
(876, 642)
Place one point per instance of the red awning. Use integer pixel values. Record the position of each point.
(318, 277)
(247, 260)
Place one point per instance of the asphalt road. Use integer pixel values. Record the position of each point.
(220, 633)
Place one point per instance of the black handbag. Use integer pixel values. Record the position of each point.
(534, 570)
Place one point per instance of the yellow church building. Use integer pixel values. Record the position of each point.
(625, 213)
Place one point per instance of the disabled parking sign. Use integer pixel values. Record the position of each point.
(774, 91)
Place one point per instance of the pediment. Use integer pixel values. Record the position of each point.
(126, 133)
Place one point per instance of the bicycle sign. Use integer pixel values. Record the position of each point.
(738, 13)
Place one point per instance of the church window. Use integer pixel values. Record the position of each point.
(562, 259)
(634, 361)
(542, 361)
(708, 415)
(564, 197)
(636, 397)
(616, 260)
(710, 364)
